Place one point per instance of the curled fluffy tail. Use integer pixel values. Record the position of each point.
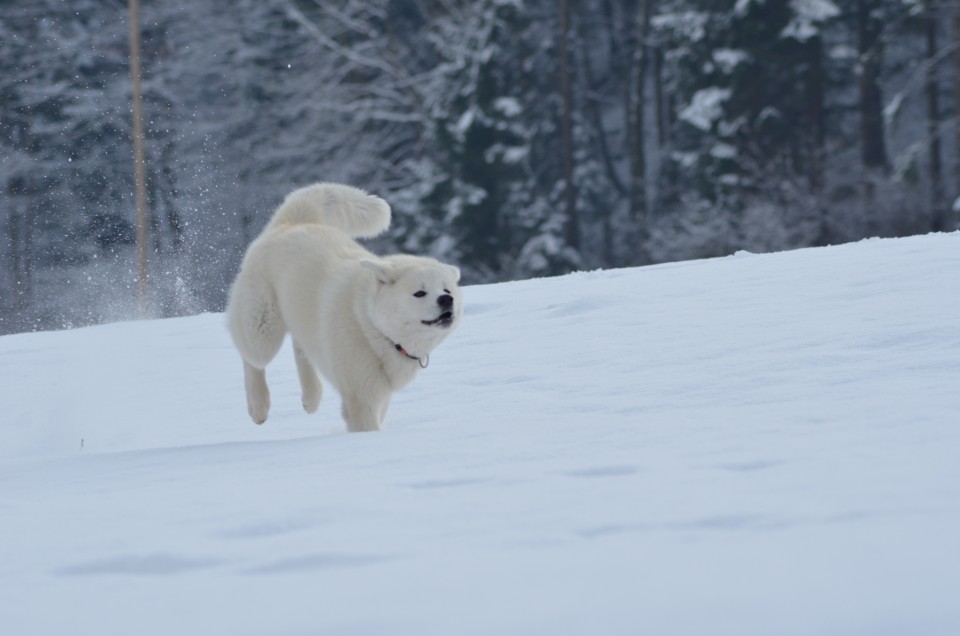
(344, 207)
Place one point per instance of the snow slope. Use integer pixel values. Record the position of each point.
(751, 445)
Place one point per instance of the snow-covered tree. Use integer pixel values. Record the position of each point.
(514, 137)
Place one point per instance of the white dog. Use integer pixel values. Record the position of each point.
(368, 324)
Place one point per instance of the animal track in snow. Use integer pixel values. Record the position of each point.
(158, 564)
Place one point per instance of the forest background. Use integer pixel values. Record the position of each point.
(515, 138)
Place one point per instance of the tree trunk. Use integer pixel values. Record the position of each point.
(15, 264)
(594, 111)
(20, 200)
(938, 217)
(138, 160)
(663, 109)
(566, 125)
(596, 118)
(870, 48)
(26, 255)
(873, 150)
(169, 197)
(636, 132)
(952, 222)
(815, 120)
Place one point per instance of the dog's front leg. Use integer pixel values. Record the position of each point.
(311, 388)
(363, 414)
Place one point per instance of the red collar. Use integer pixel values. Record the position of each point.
(424, 361)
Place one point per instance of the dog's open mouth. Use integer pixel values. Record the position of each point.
(443, 320)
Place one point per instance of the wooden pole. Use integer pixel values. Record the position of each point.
(138, 160)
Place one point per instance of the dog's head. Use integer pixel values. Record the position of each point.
(417, 301)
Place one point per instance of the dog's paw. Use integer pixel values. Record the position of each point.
(311, 400)
(258, 413)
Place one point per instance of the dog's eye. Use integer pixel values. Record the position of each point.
(446, 291)
(420, 294)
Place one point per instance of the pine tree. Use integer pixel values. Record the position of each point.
(749, 89)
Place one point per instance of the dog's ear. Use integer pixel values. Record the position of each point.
(455, 272)
(383, 271)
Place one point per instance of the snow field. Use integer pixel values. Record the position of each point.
(747, 445)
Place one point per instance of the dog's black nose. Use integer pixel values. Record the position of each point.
(445, 301)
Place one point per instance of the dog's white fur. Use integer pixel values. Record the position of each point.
(353, 316)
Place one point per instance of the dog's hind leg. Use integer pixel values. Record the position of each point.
(310, 385)
(258, 394)
(258, 330)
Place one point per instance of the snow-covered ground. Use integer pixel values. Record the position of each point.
(752, 445)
